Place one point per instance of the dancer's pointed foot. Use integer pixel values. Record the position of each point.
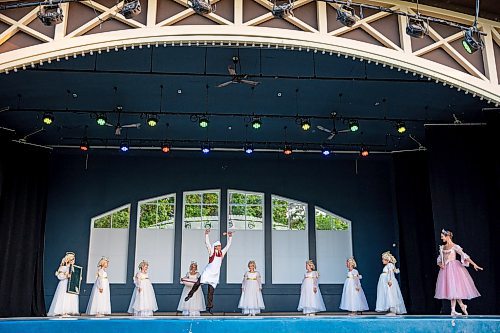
(210, 311)
(455, 313)
(464, 309)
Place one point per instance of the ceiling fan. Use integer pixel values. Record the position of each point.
(334, 130)
(24, 140)
(237, 78)
(118, 127)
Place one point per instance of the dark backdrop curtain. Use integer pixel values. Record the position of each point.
(464, 187)
(23, 196)
(417, 247)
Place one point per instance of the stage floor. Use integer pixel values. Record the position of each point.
(239, 324)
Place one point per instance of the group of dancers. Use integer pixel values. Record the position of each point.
(453, 283)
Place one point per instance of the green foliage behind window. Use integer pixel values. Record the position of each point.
(201, 210)
(288, 215)
(157, 213)
(327, 221)
(116, 220)
(246, 210)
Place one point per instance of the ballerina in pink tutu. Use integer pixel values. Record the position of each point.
(454, 282)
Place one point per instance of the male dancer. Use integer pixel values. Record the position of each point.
(211, 272)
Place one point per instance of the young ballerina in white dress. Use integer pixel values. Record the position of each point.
(100, 301)
(143, 302)
(251, 301)
(389, 297)
(353, 297)
(196, 304)
(311, 300)
(64, 303)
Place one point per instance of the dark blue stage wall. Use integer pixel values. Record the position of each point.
(363, 195)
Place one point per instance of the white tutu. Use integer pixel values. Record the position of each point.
(196, 304)
(389, 298)
(310, 301)
(100, 303)
(63, 303)
(143, 303)
(251, 301)
(353, 299)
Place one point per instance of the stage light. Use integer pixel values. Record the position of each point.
(130, 8)
(353, 125)
(472, 41)
(305, 124)
(152, 120)
(256, 123)
(165, 147)
(248, 148)
(400, 125)
(48, 118)
(101, 119)
(50, 14)
(346, 15)
(325, 151)
(364, 152)
(416, 27)
(84, 144)
(124, 146)
(282, 10)
(203, 122)
(287, 150)
(205, 148)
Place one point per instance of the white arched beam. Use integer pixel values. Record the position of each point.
(248, 36)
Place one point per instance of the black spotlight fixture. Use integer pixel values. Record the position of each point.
(256, 123)
(131, 8)
(364, 152)
(84, 144)
(201, 7)
(401, 127)
(305, 124)
(248, 148)
(203, 122)
(282, 9)
(325, 151)
(50, 14)
(416, 27)
(48, 118)
(353, 125)
(101, 119)
(124, 147)
(205, 147)
(346, 15)
(472, 40)
(165, 147)
(152, 120)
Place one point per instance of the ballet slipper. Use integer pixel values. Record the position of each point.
(455, 313)
(464, 309)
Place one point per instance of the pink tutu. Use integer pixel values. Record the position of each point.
(454, 282)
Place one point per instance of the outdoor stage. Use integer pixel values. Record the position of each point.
(289, 324)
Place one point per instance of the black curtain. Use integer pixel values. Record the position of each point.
(463, 172)
(23, 197)
(417, 247)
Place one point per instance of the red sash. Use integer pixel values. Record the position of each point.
(216, 253)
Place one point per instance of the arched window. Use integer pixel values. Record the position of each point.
(201, 210)
(290, 243)
(155, 237)
(109, 238)
(246, 215)
(333, 245)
